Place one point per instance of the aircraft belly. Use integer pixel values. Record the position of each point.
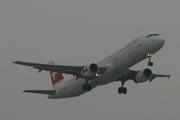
(78, 87)
(73, 88)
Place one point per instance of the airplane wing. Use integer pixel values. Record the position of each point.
(73, 70)
(158, 75)
(46, 92)
(130, 75)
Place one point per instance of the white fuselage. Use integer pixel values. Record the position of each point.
(117, 64)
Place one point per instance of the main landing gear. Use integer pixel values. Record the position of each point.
(87, 87)
(149, 58)
(122, 89)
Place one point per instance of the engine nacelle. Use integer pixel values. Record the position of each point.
(143, 75)
(89, 71)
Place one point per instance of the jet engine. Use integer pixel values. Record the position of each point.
(89, 71)
(143, 75)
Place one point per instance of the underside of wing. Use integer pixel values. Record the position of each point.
(158, 75)
(46, 92)
(140, 76)
(73, 70)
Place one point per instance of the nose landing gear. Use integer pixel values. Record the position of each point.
(149, 59)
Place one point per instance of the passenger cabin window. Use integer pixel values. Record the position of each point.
(150, 35)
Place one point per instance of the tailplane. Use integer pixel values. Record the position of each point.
(55, 79)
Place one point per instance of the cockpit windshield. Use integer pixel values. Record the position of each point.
(150, 35)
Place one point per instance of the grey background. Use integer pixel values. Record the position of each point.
(78, 32)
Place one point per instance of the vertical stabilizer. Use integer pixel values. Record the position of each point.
(55, 77)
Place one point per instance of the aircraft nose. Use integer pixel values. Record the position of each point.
(161, 41)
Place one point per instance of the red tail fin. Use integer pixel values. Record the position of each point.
(55, 77)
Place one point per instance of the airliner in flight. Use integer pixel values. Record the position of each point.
(113, 68)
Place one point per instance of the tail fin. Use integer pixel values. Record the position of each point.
(55, 77)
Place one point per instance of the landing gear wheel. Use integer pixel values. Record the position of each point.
(86, 87)
(89, 87)
(122, 90)
(150, 63)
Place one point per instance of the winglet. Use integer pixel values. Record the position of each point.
(169, 76)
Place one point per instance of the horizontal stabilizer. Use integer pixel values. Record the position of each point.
(46, 92)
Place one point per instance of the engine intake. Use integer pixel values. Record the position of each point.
(143, 75)
(147, 73)
(89, 71)
(93, 68)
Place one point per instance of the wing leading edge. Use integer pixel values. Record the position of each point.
(73, 70)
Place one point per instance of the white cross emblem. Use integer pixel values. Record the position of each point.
(53, 75)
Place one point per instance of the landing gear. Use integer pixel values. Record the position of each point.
(87, 87)
(150, 63)
(122, 89)
(149, 58)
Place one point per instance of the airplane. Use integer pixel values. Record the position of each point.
(113, 68)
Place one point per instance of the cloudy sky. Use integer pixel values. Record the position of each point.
(79, 32)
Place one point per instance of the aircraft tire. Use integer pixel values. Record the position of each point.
(84, 87)
(124, 90)
(150, 63)
(89, 87)
(120, 90)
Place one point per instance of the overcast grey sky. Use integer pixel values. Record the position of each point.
(78, 32)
